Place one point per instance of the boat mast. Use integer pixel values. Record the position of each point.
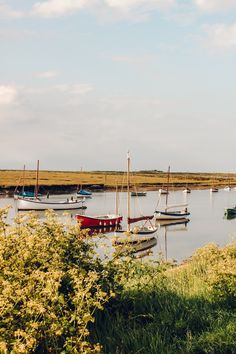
(37, 181)
(167, 188)
(23, 187)
(117, 200)
(128, 191)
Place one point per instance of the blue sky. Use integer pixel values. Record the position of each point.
(83, 81)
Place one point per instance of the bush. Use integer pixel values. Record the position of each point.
(51, 284)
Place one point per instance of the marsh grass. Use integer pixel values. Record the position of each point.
(112, 179)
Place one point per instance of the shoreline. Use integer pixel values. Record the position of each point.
(59, 182)
(71, 189)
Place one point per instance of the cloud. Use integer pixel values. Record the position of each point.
(105, 9)
(47, 74)
(108, 10)
(215, 5)
(221, 35)
(77, 89)
(6, 11)
(8, 95)
(56, 8)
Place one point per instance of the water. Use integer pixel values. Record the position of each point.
(178, 242)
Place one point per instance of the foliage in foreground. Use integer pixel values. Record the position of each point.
(185, 309)
(50, 286)
(57, 296)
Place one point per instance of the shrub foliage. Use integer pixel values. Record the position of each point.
(51, 284)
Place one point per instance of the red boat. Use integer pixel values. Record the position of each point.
(99, 221)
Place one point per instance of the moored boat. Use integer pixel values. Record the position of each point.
(138, 194)
(227, 188)
(171, 215)
(82, 193)
(143, 229)
(187, 190)
(163, 191)
(229, 212)
(24, 194)
(168, 214)
(214, 190)
(98, 221)
(38, 204)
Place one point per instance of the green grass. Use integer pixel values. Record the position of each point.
(174, 311)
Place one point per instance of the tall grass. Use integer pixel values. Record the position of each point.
(178, 310)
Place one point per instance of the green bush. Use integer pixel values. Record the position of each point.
(51, 284)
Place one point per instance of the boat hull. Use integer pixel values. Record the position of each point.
(138, 194)
(30, 204)
(84, 194)
(161, 215)
(163, 191)
(98, 221)
(230, 211)
(187, 190)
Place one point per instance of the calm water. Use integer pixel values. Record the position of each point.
(178, 242)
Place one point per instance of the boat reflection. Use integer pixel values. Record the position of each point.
(162, 223)
(95, 231)
(172, 226)
(134, 244)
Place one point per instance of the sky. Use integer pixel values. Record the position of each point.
(84, 81)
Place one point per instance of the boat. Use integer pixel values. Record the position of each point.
(98, 221)
(138, 194)
(230, 212)
(23, 193)
(187, 190)
(83, 193)
(145, 229)
(168, 214)
(171, 215)
(227, 188)
(163, 191)
(39, 204)
(214, 190)
(36, 203)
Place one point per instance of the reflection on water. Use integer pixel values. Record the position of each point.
(172, 227)
(178, 241)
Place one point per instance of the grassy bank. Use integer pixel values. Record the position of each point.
(56, 296)
(188, 309)
(147, 179)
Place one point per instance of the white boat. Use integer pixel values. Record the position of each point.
(187, 190)
(171, 215)
(227, 188)
(39, 204)
(167, 214)
(145, 229)
(163, 191)
(214, 190)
